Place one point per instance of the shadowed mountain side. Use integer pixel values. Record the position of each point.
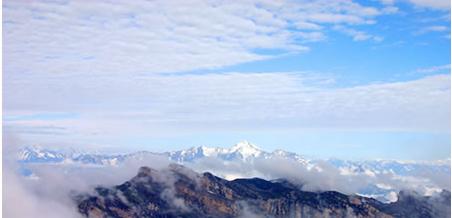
(180, 192)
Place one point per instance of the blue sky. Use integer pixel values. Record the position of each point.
(346, 79)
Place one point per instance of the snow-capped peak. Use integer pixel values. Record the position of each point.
(209, 151)
(39, 154)
(281, 152)
(246, 149)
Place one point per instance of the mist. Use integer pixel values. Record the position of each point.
(321, 177)
(49, 191)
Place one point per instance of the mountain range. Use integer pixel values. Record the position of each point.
(180, 192)
(383, 178)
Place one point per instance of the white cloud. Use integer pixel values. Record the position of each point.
(124, 37)
(312, 36)
(358, 35)
(437, 28)
(179, 104)
(390, 10)
(99, 60)
(387, 2)
(22, 201)
(429, 29)
(25, 197)
(321, 175)
(307, 25)
(434, 4)
(434, 69)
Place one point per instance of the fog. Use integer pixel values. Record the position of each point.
(48, 191)
(323, 176)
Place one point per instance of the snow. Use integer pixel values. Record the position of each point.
(51, 155)
(232, 176)
(41, 154)
(242, 149)
(246, 149)
(247, 152)
(391, 196)
(383, 186)
(209, 152)
(369, 173)
(429, 191)
(346, 171)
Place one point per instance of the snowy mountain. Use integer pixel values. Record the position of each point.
(241, 151)
(40, 155)
(205, 195)
(403, 168)
(380, 179)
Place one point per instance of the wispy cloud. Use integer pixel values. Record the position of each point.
(430, 4)
(357, 35)
(77, 37)
(434, 69)
(312, 36)
(429, 29)
(104, 61)
(179, 104)
(433, 4)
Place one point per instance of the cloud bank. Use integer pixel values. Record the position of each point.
(35, 194)
(49, 192)
(323, 176)
(202, 103)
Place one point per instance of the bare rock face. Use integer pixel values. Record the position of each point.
(180, 192)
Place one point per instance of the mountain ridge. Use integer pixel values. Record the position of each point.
(247, 155)
(205, 195)
(209, 151)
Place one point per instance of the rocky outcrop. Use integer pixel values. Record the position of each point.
(180, 192)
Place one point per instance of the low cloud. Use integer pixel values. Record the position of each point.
(35, 195)
(22, 199)
(322, 176)
(48, 192)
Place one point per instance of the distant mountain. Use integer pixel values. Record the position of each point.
(403, 168)
(181, 192)
(430, 177)
(242, 151)
(40, 155)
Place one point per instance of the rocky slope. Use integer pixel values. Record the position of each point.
(179, 192)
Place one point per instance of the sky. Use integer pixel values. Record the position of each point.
(346, 79)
